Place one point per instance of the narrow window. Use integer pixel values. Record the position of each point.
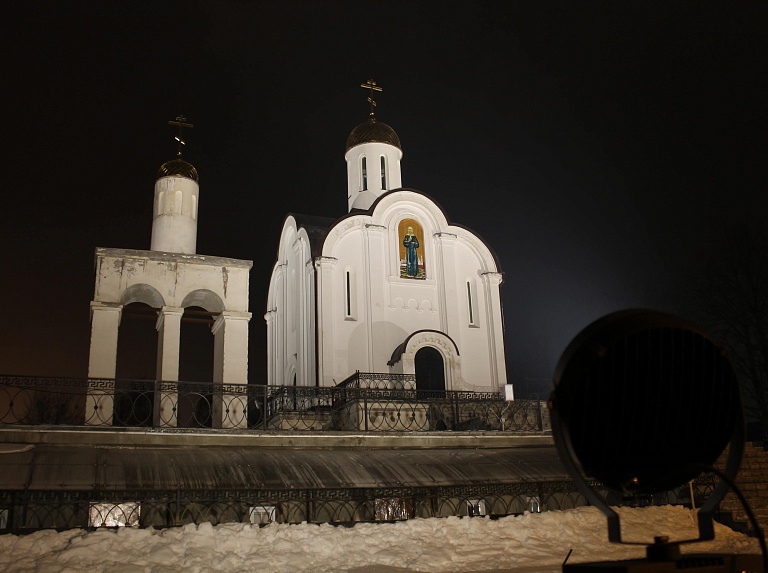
(194, 207)
(469, 302)
(349, 294)
(365, 175)
(349, 298)
(160, 206)
(383, 174)
(472, 307)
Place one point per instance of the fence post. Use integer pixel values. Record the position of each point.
(24, 508)
(365, 408)
(264, 407)
(456, 420)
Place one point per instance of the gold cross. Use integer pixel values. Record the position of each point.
(373, 87)
(181, 122)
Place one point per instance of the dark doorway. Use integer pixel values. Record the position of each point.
(430, 371)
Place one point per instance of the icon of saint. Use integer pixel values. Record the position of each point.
(411, 243)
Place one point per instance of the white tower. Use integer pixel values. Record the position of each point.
(373, 159)
(174, 212)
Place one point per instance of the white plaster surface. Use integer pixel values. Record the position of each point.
(384, 309)
(174, 215)
(357, 197)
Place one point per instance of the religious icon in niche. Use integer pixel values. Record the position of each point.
(411, 237)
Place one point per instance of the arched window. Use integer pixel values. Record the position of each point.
(383, 173)
(365, 174)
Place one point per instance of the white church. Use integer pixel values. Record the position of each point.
(391, 286)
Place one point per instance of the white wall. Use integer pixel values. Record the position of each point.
(384, 309)
(390, 308)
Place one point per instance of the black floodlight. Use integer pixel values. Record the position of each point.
(643, 403)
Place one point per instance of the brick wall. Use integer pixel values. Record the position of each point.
(752, 479)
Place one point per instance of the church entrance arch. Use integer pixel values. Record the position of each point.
(432, 357)
(430, 370)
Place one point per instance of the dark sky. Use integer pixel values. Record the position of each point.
(598, 147)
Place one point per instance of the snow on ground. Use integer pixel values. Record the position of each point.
(530, 543)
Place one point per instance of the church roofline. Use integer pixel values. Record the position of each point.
(317, 227)
(439, 206)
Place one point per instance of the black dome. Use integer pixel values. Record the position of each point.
(178, 168)
(373, 131)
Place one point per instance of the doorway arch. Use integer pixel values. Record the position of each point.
(403, 359)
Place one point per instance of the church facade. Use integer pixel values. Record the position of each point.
(390, 287)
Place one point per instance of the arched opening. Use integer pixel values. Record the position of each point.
(136, 365)
(196, 368)
(430, 371)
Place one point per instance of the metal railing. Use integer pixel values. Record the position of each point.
(363, 402)
(26, 511)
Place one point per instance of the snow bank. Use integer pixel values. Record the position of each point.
(530, 542)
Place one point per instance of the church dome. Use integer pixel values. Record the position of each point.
(179, 168)
(373, 131)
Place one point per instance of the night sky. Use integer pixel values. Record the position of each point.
(600, 148)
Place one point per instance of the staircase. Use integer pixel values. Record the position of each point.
(752, 479)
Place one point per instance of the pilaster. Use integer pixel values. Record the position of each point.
(325, 341)
(168, 327)
(491, 283)
(102, 363)
(230, 368)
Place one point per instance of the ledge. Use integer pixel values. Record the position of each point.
(132, 437)
(173, 257)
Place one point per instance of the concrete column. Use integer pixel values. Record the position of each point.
(230, 368)
(168, 343)
(102, 363)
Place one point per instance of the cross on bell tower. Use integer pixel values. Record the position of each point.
(181, 121)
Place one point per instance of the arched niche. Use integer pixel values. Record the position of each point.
(205, 299)
(143, 293)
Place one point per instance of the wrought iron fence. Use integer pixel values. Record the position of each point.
(364, 402)
(25, 511)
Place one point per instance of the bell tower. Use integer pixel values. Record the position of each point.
(174, 212)
(373, 158)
